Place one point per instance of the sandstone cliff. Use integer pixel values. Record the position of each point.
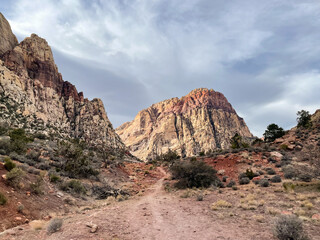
(33, 94)
(201, 121)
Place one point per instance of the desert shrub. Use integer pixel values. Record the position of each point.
(201, 154)
(8, 164)
(36, 187)
(305, 177)
(250, 174)
(200, 197)
(273, 132)
(168, 157)
(15, 176)
(33, 155)
(270, 171)
(18, 140)
(54, 178)
(4, 146)
(237, 142)
(304, 119)
(4, 127)
(20, 208)
(276, 179)
(231, 183)
(283, 146)
(264, 183)
(40, 136)
(244, 180)
(289, 227)
(54, 225)
(76, 164)
(289, 172)
(74, 186)
(3, 199)
(193, 174)
(224, 178)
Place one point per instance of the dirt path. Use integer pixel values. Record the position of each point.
(156, 215)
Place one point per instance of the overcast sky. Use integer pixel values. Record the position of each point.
(264, 56)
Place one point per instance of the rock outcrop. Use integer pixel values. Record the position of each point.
(7, 39)
(33, 95)
(201, 121)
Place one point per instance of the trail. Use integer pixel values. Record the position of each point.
(157, 215)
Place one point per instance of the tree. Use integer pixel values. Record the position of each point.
(304, 119)
(273, 132)
(236, 142)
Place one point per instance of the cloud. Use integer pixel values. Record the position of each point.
(138, 52)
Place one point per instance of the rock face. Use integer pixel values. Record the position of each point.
(7, 39)
(34, 95)
(201, 121)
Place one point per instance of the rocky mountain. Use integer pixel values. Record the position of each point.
(200, 121)
(33, 94)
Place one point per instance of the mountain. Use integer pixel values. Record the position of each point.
(203, 120)
(34, 96)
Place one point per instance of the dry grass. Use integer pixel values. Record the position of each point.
(307, 204)
(37, 224)
(221, 204)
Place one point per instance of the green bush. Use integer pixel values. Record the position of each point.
(169, 157)
(237, 142)
(18, 141)
(15, 176)
(264, 183)
(36, 187)
(289, 227)
(74, 186)
(8, 164)
(54, 178)
(250, 174)
(273, 132)
(193, 174)
(244, 180)
(3, 199)
(276, 179)
(304, 119)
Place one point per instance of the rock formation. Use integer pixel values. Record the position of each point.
(201, 121)
(7, 39)
(33, 94)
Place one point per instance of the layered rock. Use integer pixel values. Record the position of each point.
(201, 121)
(34, 95)
(7, 39)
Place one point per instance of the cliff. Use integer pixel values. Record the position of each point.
(200, 121)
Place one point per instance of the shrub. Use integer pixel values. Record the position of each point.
(244, 180)
(14, 176)
(221, 204)
(304, 119)
(231, 183)
(54, 225)
(54, 178)
(305, 177)
(289, 227)
(273, 132)
(289, 172)
(264, 183)
(169, 157)
(34, 155)
(289, 186)
(18, 140)
(36, 187)
(270, 171)
(276, 179)
(250, 174)
(3, 199)
(193, 174)
(201, 154)
(200, 197)
(74, 186)
(237, 142)
(8, 164)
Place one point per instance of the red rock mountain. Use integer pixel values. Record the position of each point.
(34, 95)
(200, 121)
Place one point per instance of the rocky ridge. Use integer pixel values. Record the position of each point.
(203, 120)
(34, 95)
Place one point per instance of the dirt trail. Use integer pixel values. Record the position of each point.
(157, 215)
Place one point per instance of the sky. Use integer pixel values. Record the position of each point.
(264, 56)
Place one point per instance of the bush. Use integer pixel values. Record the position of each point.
(264, 183)
(36, 187)
(305, 177)
(289, 227)
(270, 171)
(74, 186)
(3, 199)
(14, 176)
(273, 132)
(276, 179)
(54, 178)
(18, 141)
(54, 225)
(169, 157)
(193, 174)
(244, 180)
(231, 183)
(289, 172)
(8, 164)
(304, 119)
(237, 142)
(250, 174)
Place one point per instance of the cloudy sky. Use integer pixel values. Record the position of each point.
(264, 56)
